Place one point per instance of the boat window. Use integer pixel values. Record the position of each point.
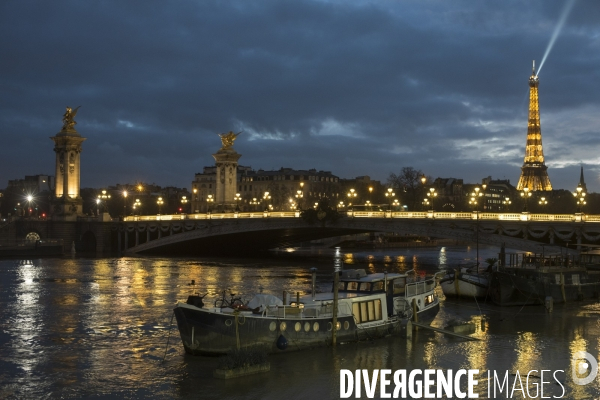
(428, 299)
(366, 311)
(341, 285)
(399, 285)
(352, 286)
(365, 287)
(575, 279)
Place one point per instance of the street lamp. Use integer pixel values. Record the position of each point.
(580, 196)
(368, 204)
(184, 201)
(237, 199)
(390, 195)
(255, 202)
(267, 198)
(370, 191)
(396, 203)
(97, 206)
(299, 194)
(506, 203)
(209, 200)
(160, 202)
(351, 194)
(433, 194)
(124, 203)
(102, 198)
(137, 205)
(543, 201)
(526, 194)
(473, 201)
(29, 200)
(425, 203)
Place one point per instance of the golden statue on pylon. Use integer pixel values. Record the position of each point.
(227, 139)
(68, 119)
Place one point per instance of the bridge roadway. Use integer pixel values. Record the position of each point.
(242, 233)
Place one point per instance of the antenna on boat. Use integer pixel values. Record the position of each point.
(313, 270)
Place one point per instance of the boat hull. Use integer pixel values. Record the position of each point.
(467, 286)
(529, 287)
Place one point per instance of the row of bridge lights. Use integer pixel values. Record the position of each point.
(579, 195)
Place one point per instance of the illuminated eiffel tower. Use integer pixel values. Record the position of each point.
(534, 173)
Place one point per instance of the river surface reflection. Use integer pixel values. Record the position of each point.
(98, 328)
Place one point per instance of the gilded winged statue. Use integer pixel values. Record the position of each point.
(227, 139)
(68, 119)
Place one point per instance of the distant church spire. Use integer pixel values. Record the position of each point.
(534, 173)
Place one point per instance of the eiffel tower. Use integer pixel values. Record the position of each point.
(534, 173)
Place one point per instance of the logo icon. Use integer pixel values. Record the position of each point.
(584, 368)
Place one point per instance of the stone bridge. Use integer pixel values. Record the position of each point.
(242, 233)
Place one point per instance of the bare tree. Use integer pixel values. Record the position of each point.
(408, 185)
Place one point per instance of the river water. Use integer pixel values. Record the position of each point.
(98, 328)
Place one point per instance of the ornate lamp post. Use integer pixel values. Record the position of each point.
(103, 197)
(390, 195)
(267, 198)
(370, 192)
(97, 206)
(209, 201)
(299, 195)
(580, 197)
(351, 195)
(160, 202)
(396, 203)
(506, 203)
(526, 194)
(368, 205)
(255, 202)
(124, 203)
(138, 206)
(432, 194)
(184, 201)
(425, 203)
(543, 202)
(341, 204)
(237, 199)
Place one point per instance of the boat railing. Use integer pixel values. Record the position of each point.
(416, 288)
(536, 261)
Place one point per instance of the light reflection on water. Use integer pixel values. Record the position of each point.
(98, 328)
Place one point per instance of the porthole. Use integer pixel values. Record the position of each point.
(329, 326)
(228, 322)
(298, 327)
(272, 326)
(316, 326)
(282, 326)
(306, 326)
(346, 325)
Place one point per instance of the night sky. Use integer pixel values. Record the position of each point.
(352, 87)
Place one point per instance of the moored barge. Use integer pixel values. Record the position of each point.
(369, 306)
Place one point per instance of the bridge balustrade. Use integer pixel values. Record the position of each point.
(579, 217)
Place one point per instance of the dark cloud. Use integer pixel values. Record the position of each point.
(352, 87)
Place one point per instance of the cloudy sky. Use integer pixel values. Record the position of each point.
(353, 87)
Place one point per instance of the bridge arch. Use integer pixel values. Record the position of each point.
(228, 234)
